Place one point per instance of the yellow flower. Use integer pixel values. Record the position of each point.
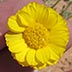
(38, 36)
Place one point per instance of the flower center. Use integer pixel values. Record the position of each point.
(36, 36)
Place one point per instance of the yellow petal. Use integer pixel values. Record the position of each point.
(42, 55)
(17, 46)
(52, 16)
(53, 57)
(10, 36)
(32, 9)
(51, 10)
(37, 11)
(58, 50)
(13, 39)
(20, 57)
(59, 33)
(24, 19)
(24, 64)
(40, 66)
(13, 25)
(61, 24)
(42, 15)
(31, 60)
(60, 39)
(15, 42)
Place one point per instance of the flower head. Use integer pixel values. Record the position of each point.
(38, 36)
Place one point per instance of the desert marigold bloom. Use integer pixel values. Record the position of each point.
(38, 36)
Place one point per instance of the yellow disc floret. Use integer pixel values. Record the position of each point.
(36, 36)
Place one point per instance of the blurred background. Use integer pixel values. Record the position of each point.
(8, 64)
